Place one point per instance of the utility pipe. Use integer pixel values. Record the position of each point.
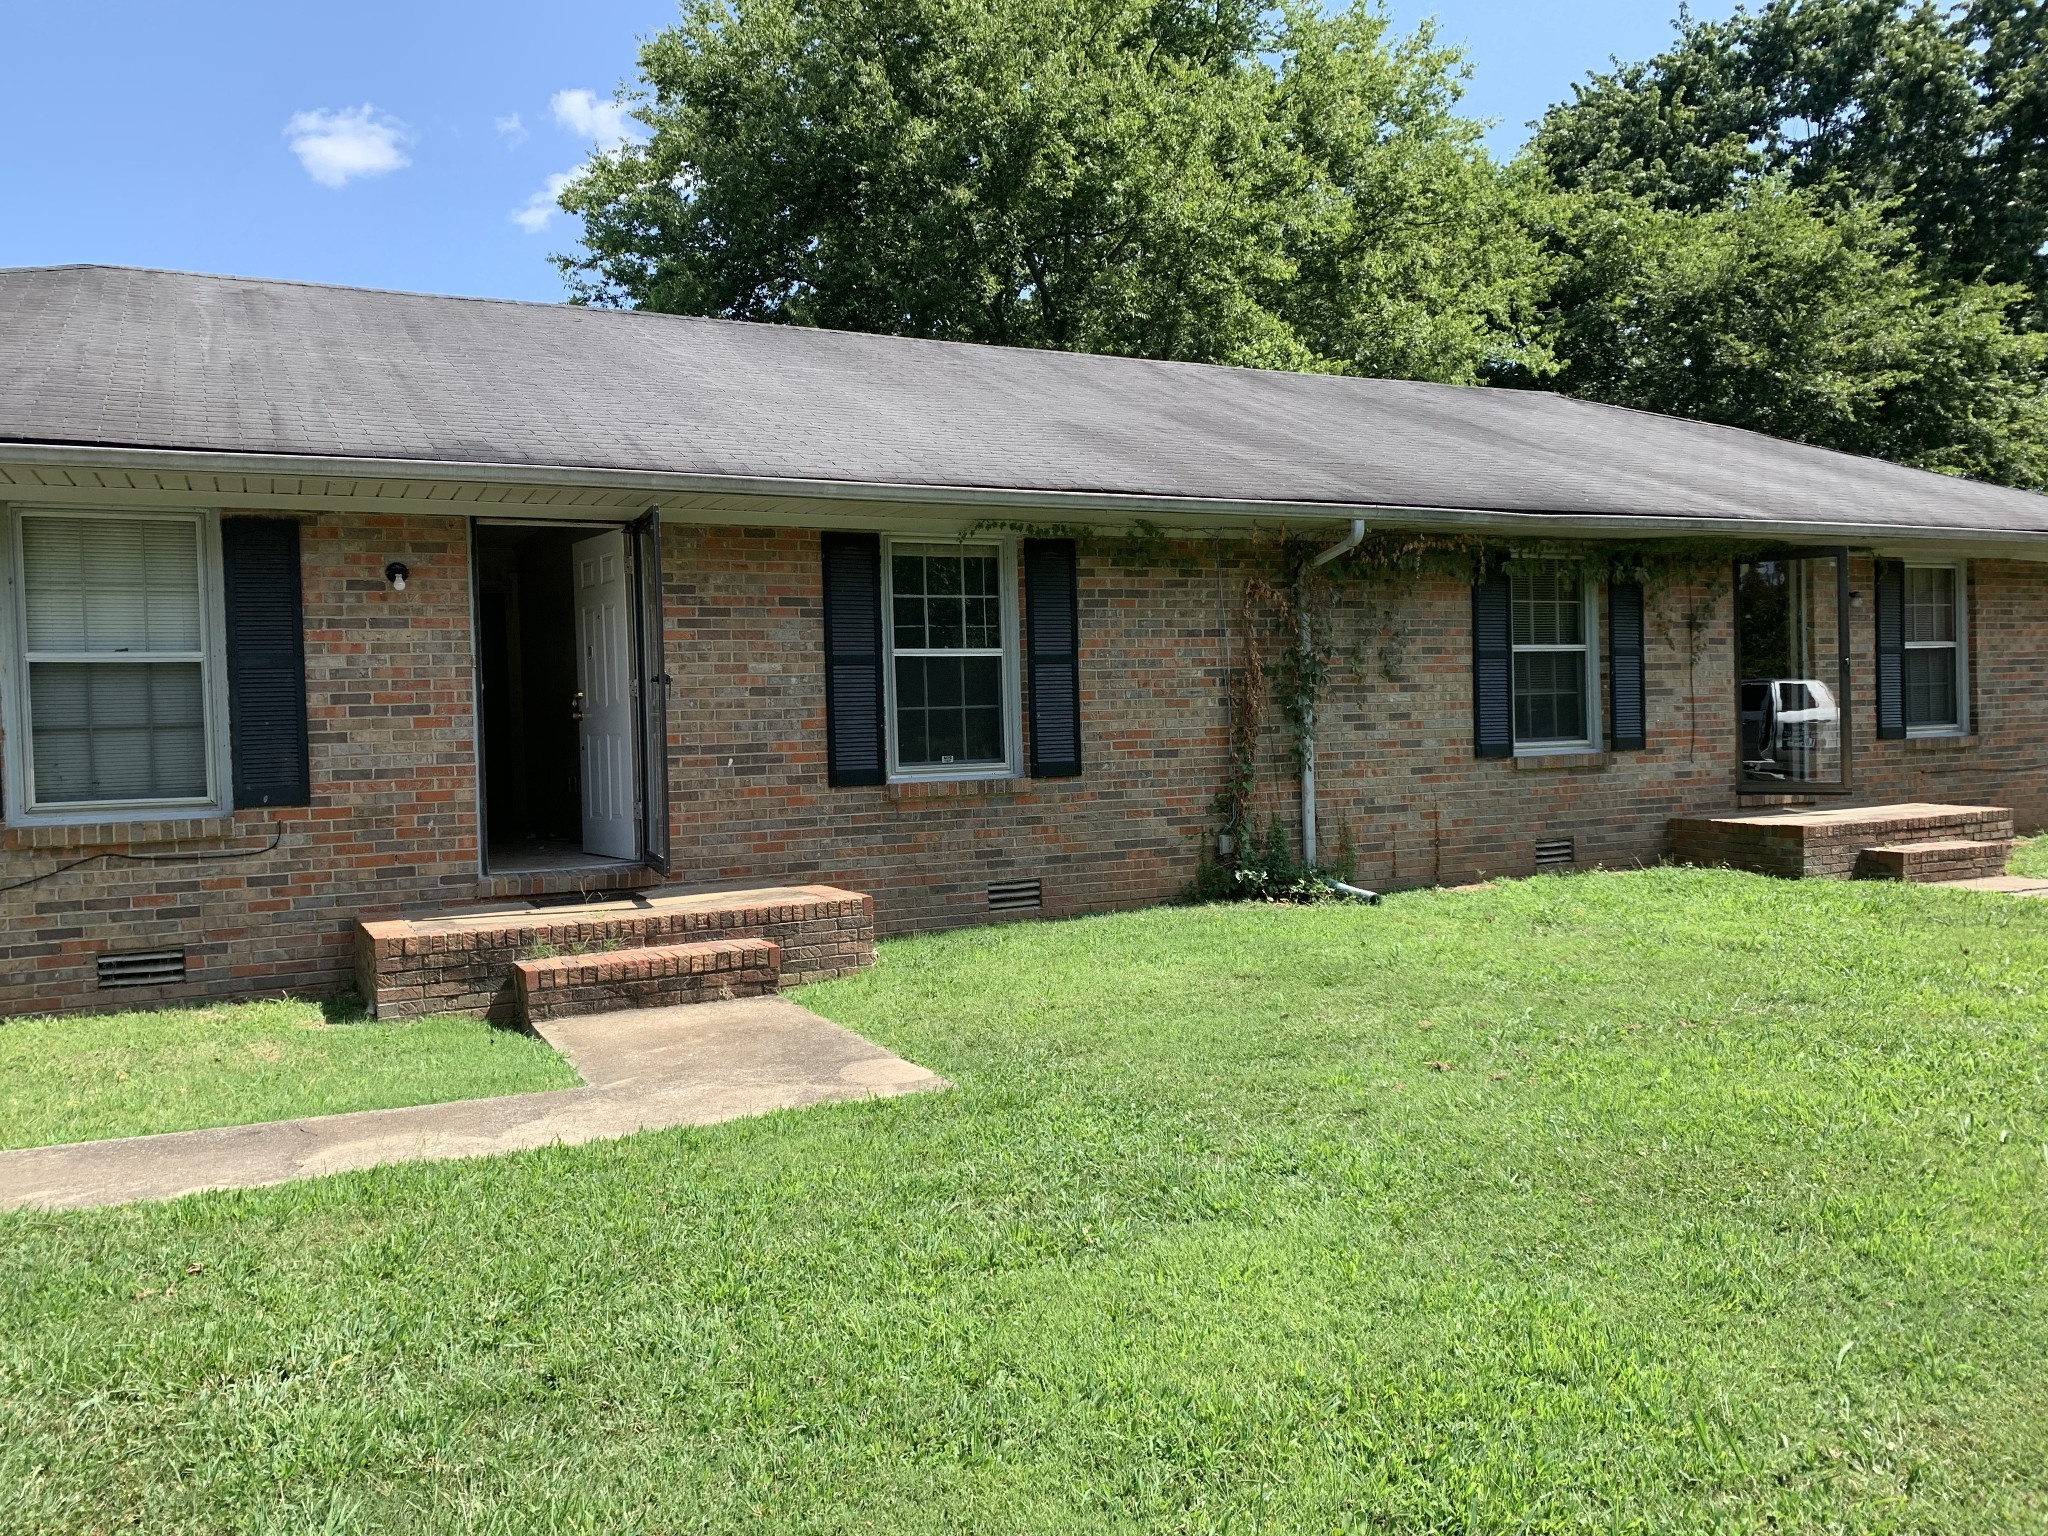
(1306, 658)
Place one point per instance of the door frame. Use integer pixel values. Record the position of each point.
(650, 679)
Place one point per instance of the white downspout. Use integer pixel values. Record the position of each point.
(1343, 546)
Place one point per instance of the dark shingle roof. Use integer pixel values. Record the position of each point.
(121, 357)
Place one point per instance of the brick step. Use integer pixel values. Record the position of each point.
(462, 961)
(657, 977)
(1827, 844)
(1955, 858)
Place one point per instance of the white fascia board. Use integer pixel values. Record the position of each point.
(464, 490)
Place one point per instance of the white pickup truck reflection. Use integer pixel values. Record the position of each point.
(1791, 729)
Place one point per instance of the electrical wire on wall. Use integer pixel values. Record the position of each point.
(218, 856)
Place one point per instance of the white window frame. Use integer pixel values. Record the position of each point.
(1013, 694)
(20, 807)
(1589, 597)
(1960, 645)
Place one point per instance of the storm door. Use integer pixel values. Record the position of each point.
(1792, 673)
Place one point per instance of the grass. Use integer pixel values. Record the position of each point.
(2029, 858)
(78, 1078)
(1662, 1202)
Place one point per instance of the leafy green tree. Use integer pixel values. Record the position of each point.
(1941, 114)
(1786, 312)
(1165, 178)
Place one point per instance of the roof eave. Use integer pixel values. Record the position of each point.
(995, 501)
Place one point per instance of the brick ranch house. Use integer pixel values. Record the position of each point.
(325, 606)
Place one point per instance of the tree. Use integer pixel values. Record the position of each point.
(1940, 115)
(1163, 178)
(1791, 314)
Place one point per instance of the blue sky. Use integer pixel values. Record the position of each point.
(404, 145)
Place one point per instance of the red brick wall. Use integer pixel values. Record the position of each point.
(394, 820)
(748, 718)
(1395, 759)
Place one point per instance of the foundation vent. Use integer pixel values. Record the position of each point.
(1016, 895)
(1557, 853)
(147, 968)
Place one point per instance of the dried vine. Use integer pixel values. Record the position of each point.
(1235, 804)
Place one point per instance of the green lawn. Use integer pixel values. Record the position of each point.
(2030, 858)
(1664, 1202)
(133, 1074)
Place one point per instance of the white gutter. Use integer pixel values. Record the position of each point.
(2025, 542)
(1343, 546)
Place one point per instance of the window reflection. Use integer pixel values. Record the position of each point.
(1789, 629)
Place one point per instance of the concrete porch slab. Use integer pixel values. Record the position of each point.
(643, 1070)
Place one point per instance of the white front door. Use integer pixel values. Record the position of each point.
(604, 665)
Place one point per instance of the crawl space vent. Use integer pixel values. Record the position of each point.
(149, 968)
(1015, 895)
(1557, 853)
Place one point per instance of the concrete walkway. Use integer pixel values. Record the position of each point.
(644, 1070)
(2007, 885)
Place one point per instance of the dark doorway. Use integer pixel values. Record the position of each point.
(526, 642)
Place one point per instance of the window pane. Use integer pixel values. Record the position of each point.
(949, 710)
(984, 622)
(117, 731)
(909, 621)
(1931, 687)
(947, 599)
(110, 584)
(1549, 603)
(1930, 603)
(1550, 696)
(947, 630)
(1787, 643)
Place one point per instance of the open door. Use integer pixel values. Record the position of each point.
(604, 702)
(652, 654)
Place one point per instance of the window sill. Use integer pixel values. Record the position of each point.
(1538, 761)
(118, 832)
(1946, 738)
(956, 789)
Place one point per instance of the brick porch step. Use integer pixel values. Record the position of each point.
(462, 961)
(1826, 844)
(1955, 858)
(657, 977)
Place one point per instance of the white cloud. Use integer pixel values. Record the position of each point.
(541, 208)
(512, 130)
(603, 121)
(338, 147)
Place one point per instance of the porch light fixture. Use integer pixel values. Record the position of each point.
(395, 573)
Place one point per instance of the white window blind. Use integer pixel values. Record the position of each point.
(114, 642)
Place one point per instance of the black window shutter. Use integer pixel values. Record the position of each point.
(1493, 667)
(1053, 638)
(1625, 665)
(854, 752)
(1891, 650)
(266, 660)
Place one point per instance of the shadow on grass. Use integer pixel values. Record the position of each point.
(345, 1009)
